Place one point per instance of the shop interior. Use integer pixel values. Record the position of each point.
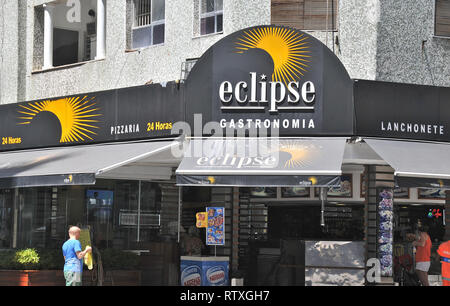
(272, 221)
(117, 218)
(406, 219)
(109, 209)
(275, 222)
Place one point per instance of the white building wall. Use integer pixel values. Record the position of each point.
(386, 40)
(9, 50)
(159, 63)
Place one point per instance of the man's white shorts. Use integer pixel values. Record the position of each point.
(423, 266)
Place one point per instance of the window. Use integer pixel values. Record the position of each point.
(442, 18)
(149, 23)
(6, 218)
(65, 47)
(67, 34)
(110, 208)
(211, 16)
(319, 15)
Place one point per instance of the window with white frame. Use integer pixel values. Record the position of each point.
(66, 33)
(149, 23)
(211, 16)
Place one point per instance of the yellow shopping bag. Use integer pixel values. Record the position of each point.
(85, 240)
(88, 261)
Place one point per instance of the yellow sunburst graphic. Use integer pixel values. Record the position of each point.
(287, 47)
(77, 116)
(297, 153)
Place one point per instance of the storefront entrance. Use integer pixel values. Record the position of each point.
(279, 227)
(407, 218)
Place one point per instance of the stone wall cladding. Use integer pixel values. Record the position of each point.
(9, 34)
(392, 41)
(407, 51)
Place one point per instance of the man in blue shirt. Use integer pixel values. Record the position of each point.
(73, 257)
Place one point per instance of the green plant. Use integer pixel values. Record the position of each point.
(113, 259)
(51, 259)
(7, 260)
(31, 259)
(27, 259)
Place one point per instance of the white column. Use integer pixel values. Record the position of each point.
(48, 36)
(101, 29)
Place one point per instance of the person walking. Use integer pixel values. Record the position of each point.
(423, 254)
(444, 252)
(73, 257)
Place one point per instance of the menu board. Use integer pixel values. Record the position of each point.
(201, 220)
(291, 192)
(344, 190)
(215, 232)
(431, 193)
(263, 192)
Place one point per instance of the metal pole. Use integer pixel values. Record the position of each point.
(139, 213)
(179, 211)
(16, 217)
(443, 217)
(323, 194)
(326, 26)
(333, 26)
(67, 208)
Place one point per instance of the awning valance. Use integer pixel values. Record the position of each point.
(416, 164)
(262, 162)
(78, 165)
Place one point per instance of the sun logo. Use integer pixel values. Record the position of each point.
(287, 47)
(297, 155)
(69, 179)
(313, 180)
(77, 116)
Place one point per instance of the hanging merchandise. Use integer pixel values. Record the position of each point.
(385, 218)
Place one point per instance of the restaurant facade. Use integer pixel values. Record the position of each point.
(321, 177)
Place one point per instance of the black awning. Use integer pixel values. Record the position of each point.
(416, 164)
(79, 165)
